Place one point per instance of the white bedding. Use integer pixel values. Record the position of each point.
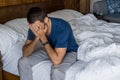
(99, 47)
(105, 68)
(98, 54)
(8, 37)
(10, 59)
(74, 69)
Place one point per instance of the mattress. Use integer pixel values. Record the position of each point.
(10, 59)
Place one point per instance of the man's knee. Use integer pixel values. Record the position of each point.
(22, 61)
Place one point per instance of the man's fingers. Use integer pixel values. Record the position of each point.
(35, 27)
(38, 25)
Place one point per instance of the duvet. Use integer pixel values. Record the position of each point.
(99, 50)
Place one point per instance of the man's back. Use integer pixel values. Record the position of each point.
(61, 35)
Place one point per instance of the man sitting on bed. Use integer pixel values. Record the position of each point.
(59, 44)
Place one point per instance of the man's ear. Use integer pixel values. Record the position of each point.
(46, 20)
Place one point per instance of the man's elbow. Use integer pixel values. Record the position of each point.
(25, 53)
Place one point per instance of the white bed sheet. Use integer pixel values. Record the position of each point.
(105, 68)
(99, 45)
(74, 69)
(10, 59)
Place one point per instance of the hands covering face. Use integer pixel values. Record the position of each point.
(39, 28)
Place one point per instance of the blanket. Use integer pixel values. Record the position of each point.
(99, 49)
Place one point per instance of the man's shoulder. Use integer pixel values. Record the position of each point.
(59, 23)
(53, 19)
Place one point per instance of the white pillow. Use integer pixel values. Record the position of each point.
(20, 25)
(8, 37)
(66, 14)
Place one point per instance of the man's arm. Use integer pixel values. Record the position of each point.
(29, 47)
(56, 55)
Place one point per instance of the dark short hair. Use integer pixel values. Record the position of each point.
(36, 13)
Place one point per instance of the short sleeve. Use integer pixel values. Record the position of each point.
(31, 35)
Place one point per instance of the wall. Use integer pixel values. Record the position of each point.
(9, 12)
(4, 3)
(80, 5)
(91, 4)
(72, 4)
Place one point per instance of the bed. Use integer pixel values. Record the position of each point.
(98, 54)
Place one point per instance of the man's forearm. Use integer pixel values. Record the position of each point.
(51, 52)
(29, 48)
(53, 55)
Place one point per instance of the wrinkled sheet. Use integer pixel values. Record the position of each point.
(99, 49)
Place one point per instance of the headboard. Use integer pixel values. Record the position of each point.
(20, 11)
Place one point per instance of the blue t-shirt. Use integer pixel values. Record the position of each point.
(61, 35)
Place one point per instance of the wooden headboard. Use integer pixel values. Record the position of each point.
(19, 11)
(19, 8)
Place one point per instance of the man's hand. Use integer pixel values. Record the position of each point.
(42, 31)
(34, 29)
(39, 29)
